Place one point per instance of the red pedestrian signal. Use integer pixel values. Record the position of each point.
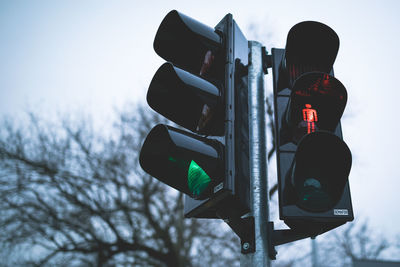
(313, 160)
(310, 117)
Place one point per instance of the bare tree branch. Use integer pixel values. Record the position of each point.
(82, 199)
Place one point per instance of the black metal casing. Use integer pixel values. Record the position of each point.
(294, 216)
(231, 197)
(203, 88)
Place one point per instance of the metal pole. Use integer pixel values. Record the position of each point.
(314, 252)
(258, 158)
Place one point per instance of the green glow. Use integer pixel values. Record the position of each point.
(313, 197)
(198, 180)
(172, 159)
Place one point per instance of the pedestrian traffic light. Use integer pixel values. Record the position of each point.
(201, 88)
(313, 160)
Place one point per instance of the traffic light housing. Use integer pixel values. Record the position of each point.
(172, 156)
(203, 89)
(313, 160)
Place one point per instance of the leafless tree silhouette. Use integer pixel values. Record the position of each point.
(357, 240)
(70, 196)
(73, 196)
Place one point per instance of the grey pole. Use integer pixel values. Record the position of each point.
(314, 252)
(258, 158)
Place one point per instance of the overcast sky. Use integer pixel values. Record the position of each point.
(93, 56)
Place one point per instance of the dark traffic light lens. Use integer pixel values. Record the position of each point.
(320, 171)
(313, 196)
(185, 41)
(187, 100)
(311, 46)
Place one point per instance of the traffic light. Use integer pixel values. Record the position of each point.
(173, 156)
(202, 88)
(313, 160)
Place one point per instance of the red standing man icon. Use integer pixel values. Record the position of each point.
(310, 116)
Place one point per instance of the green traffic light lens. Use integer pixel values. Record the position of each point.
(320, 171)
(312, 196)
(198, 180)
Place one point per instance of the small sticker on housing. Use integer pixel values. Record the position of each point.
(340, 212)
(218, 187)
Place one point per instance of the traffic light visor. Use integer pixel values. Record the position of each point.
(183, 98)
(311, 45)
(320, 171)
(317, 102)
(181, 160)
(185, 41)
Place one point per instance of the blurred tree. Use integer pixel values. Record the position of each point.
(73, 197)
(356, 240)
(338, 248)
(70, 196)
